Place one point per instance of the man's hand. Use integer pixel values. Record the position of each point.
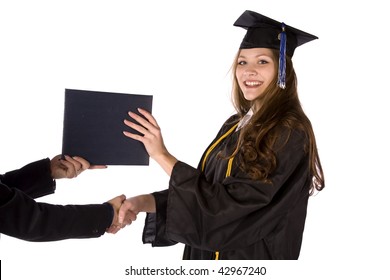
(70, 167)
(128, 218)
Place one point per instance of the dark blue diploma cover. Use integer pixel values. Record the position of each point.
(93, 127)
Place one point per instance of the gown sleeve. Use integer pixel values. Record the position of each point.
(155, 223)
(238, 211)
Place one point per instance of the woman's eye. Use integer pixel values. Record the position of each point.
(241, 63)
(263, 62)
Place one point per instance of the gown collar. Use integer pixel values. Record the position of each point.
(245, 119)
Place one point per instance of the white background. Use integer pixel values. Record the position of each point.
(181, 52)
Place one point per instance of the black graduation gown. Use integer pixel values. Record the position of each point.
(24, 218)
(235, 216)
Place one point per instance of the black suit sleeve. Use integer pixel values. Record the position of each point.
(33, 179)
(24, 218)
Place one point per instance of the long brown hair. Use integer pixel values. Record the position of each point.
(279, 108)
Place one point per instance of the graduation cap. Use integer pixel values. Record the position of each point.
(264, 32)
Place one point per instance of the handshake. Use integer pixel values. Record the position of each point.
(126, 210)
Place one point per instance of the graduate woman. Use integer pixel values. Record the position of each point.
(248, 197)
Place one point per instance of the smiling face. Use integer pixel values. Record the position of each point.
(255, 70)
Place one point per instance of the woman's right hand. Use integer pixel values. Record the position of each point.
(136, 204)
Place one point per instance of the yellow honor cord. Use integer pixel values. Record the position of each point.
(216, 143)
(229, 167)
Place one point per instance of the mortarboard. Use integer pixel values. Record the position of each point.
(264, 32)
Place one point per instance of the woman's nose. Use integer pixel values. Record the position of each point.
(250, 71)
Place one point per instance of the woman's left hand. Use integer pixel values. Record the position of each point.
(151, 138)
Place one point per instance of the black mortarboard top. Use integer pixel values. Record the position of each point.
(264, 32)
(93, 127)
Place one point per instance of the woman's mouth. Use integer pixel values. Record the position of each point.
(252, 83)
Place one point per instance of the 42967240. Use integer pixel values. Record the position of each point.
(242, 270)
